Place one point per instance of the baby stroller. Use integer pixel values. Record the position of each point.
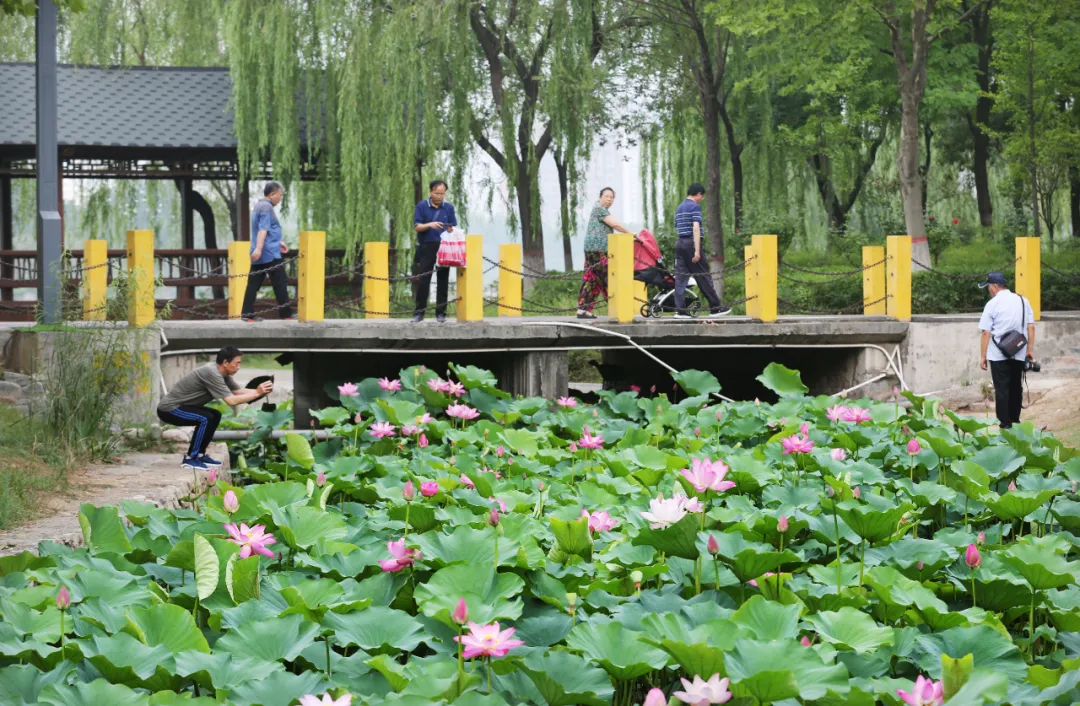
(647, 269)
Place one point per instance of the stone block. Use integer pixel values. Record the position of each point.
(10, 389)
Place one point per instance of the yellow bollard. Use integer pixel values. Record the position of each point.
(621, 277)
(873, 280)
(470, 280)
(641, 295)
(377, 280)
(95, 279)
(765, 282)
(509, 280)
(750, 282)
(1029, 273)
(898, 276)
(140, 259)
(239, 264)
(311, 276)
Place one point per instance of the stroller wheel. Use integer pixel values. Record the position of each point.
(645, 311)
(694, 309)
(657, 309)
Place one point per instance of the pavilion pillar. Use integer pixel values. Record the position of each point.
(49, 232)
(243, 210)
(187, 235)
(7, 236)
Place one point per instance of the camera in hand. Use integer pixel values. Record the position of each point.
(1032, 365)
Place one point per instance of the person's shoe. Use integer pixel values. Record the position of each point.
(418, 318)
(290, 317)
(251, 318)
(441, 318)
(210, 461)
(194, 463)
(582, 314)
(722, 311)
(683, 316)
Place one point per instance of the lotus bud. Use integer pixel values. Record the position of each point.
(586, 428)
(211, 477)
(652, 389)
(637, 577)
(63, 598)
(895, 391)
(719, 415)
(357, 418)
(971, 557)
(697, 431)
(486, 432)
(805, 641)
(804, 429)
(571, 600)
(409, 491)
(452, 460)
(422, 441)
(713, 546)
(782, 525)
(595, 414)
(635, 388)
(1012, 485)
(230, 502)
(461, 612)
(829, 491)
(913, 446)
(655, 697)
(500, 451)
(573, 447)
(981, 538)
(919, 566)
(838, 454)
(757, 402)
(856, 492)
(493, 517)
(540, 486)
(429, 488)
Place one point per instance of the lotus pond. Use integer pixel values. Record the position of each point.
(457, 545)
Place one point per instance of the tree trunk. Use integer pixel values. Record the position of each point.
(1074, 199)
(714, 225)
(532, 231)
(836, 213)
(924, 170)
(983, 39)
(206, 212)
(1033, 155)
(910, 182)
(735, 149)
(564, 211)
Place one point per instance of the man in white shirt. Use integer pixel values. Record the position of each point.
(1006, 312)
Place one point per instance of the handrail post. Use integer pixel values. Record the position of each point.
(377, 280)
(1029, 273)
(898, 283)
(239, 267)
(140, 290)
(311, 275)
(470, 280)
(95, 279)
(766, 251)
(750, 282)
(510, 279)
(873, 280)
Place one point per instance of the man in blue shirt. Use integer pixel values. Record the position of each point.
(433, 217)
(267, 249)
(689, 256)
(1005, 312)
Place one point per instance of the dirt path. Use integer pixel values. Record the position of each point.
(1050, 402)
(146, 477)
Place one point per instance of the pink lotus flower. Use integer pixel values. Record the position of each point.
(390, 385)
(981, 538)
(500, 451)
(467, 482)
(493, 517)
(566, 402)
(782, 525)
(796, 444)
(855, 492)
(438, 385)
(422, 442)
(588, 441)
(655, 697)
(599, 521)
(702, 693)
(805, 641)
(63, 598)
(211, 477)
(381, 430)
(348, 390)
(429, 488)
(320, 480)
(409, 491)
(357, 418)
(836, 413)
(462, 411)
(858, 415)
(410, 430)
(697, 431)
(1012, 485)
(425, 418)
(804, 429)
(838, 454)
(767, 574)
(400, 556)
(706, 474)
(925, 693)
(500, 503)
(663, 512)
(635, 388)
(252, 540)
(913, 447)
(487, 641)
(572, 447)
(461, 612)
(719, 415)
(971, 557)
(455, 388)
(712, 546)
(327, 700)
(230, 502)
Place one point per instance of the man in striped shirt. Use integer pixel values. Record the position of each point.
(690, 257)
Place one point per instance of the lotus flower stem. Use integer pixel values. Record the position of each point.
(496, 531)
(966, 513)
(407, 506)
(836, 528)
(489, 674)
(911, 467)
(61, 634)
(716, 568)
(862, 557)
(329, 672)
(460, 663)
(1031, 624)
(697, 576)
(973, 604)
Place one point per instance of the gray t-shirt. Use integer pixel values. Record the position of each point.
(198, 387)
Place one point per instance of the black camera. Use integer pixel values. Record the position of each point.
(1032, 365)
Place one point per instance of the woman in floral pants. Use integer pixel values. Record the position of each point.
(594, 279)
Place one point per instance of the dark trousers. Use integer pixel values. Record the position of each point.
(204, 419)
(685, 267)
(278, 279)
(1008, 377)
(423, 263)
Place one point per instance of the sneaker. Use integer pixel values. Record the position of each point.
(251, 318)
(210, 461)
(683, 316)
(585, 314)
(290, 317)
(723, 311)
(441, 318)
(418, 318)
(194, 463)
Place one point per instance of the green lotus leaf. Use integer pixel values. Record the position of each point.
(767, 620)
(94, 693)
(983, 686)
(697, 382)
(850, 629)
(166, 624)
(572, 537)
(465, 544)
(397, 411)
(1041, 568)
(299, 450)
(124, 660)
(271, 640)
(991, 650)
(522, 442)
(749, 560)
(998, 461)
(874, 518)
(269, 496)
(1017, 504)
(679, 539)
(564, 679)
(207, 567)
(774, 671)
(220, 671)
(377, 629)
(22, 684)
(102, 530)
(783, 381)
(621, 652)
(955, 672)
(1067, 513)
(488, 595)
(43, 625)
(698, 650)
(301, 527)
(279, 689)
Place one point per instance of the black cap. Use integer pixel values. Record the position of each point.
(993, 278)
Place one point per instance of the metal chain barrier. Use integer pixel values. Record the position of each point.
(796, 309)
(952, 275)
(1066, 275)
(835, 276)
(351, 305)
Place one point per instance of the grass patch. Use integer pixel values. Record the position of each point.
(29, 466)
